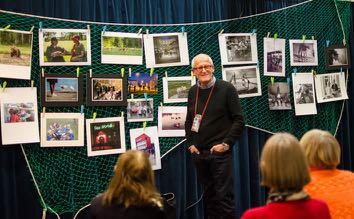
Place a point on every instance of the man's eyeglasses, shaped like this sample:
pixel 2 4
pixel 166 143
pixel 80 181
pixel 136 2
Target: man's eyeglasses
pixel 201 68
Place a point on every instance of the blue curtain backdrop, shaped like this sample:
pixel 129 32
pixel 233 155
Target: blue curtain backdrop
pixel 19 199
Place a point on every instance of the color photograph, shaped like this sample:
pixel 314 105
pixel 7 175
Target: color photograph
pixel 19 112
pixel 58 47
pixel 107 89
pixel 140 110
pixel 122 48
pixel 175 89
pixel 171 121
pixel 105 136
pixel 303 52
pixel 140 83
pixel 62 129
pixel 15 54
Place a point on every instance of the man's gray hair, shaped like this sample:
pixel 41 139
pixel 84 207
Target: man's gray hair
pixel 202 56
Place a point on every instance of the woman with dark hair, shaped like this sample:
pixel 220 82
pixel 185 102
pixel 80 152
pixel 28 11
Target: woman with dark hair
pixel 78 53
pixel 131 193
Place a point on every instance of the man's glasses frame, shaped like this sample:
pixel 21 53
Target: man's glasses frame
pixel 204 67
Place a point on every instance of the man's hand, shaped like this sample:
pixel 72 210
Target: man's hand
pixel 193 149
pixel 219 148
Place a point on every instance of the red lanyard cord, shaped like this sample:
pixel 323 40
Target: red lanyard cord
pixel 206 104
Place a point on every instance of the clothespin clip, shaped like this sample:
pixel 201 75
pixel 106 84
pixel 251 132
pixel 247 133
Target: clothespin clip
pixel 313 73
pixel 7 27
pixel 272 81
pixel 295 70
pixel 147 32
pixel 344 43
pixel 88 28
pixel 145 96
pixel 40 26
pixel 254 31
pixel 77 71
pixel 341 70
pixel 288 80
pixel 166 74
pixel 4 86
pixel 221 31
pixel 139 32
pixel 275 36
pixel 182 29
pixel 43 111
pixel 303 38
pixel 257 64
pixel 32 83
pixel 43 72
pixel 122 71
pixel 122 114
pixel 144 126
pixel 327 43
pixel 31 30
pixel 94 116
pixel 131 96
pixel 104 30
pixel 82 109
pixel 268 34
pixel 90 73
pixel 151 71
pixel 313 37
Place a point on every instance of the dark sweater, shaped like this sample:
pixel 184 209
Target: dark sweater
pixel 98 211
pixel 222 121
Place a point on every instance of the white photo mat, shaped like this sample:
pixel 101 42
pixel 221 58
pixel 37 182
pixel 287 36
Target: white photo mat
pixel 147 140
pixel 13 70
pixel 330 87
pixel 24 131
pixel 181 51
pixel 62 116
pixel 246 80
pixel 132 109
pixel 171 120
pixel 304 94
pixel 274 57
pixel 182 90
pixel 92 122
pixel 303 52
pixel 122 59
pixel 59 32
pixel 236 53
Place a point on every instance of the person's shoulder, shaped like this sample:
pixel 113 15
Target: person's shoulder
pixel 97 201
pixel 254 213
pixel 317 203
pixel 224 84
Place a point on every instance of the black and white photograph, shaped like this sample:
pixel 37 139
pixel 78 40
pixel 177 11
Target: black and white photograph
pixel 166 49
pixel 140 110
pixel 15 54
pixel 121 48
pixel 175 89
pixel 238 48
pixel 171 121
pixel 337 56
pixel 62 47
pixel 303 52
pixel 304 94
pixel 279 96
pixel 274 57
pixel 246 80
pixel 330 87
pixel 61 90
pixel 106 90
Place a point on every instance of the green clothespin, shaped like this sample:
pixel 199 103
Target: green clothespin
pixel 7 27
pixel 151 72
pixel 272 80
pixel 77 71
pixel 94 116
pixel 4 86
pixel 144 126
pixel 122 71
pixel 275 36
pixel 303 38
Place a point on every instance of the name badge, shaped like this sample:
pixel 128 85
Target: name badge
pixel 196 123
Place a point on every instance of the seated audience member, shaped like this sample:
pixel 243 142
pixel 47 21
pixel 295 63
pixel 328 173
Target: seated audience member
pixel 131 193
pixel 285 171
pixel 336 187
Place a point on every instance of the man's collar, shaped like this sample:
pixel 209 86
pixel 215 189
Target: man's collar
pixel 209 85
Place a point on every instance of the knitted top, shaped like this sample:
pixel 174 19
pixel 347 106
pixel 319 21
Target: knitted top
pixel 336 188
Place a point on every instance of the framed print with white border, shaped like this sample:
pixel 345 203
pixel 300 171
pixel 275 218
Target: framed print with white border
pixel 330 87
pixel 106 90
pixel 121 48
pixel 171 121
pixel 175 89
pixel 147 140
pixel 238 48
pixel 303 52
pixel 166 49
pixel 61 90
pixel 246 80
pixel 16 54
pixel 62 129
pixel 61 47
pixel 140 110
pixel 19 115
pixel 304 94
pixel 105 136
pixel 274 57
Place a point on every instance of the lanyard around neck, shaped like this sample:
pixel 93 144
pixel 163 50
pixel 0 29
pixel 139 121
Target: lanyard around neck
pixel 206 104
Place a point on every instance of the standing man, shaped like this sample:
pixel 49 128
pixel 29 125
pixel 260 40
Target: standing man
pixel 214 122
